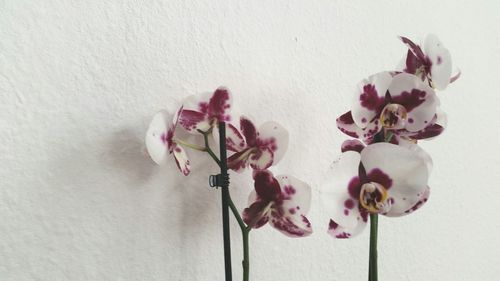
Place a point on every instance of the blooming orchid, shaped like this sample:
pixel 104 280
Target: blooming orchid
pixel 259 148
pixel 160 140
pixel 432 64
pixel 381 178
pixel 205 113
pixel 283 201
pixel 397 102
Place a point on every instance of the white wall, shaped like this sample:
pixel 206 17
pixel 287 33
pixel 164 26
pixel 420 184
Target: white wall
pixel 79 81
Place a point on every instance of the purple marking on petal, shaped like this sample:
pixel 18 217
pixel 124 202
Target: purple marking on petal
pixel 249 131
pixel 266 186
pixel 378 176
pixel 428 132
pixel 369 98
pixel 346 212
pixel 354 187
pixel 332 225
pixel 410 120
pixel 189 119
pixel 219 104
pixel 410 100
pixel 439 60
pixel 292 211
pixel 352 145
pixel 349 204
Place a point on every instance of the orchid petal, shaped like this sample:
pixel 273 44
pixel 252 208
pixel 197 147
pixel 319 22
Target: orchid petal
pixel 234 139
pixel 346 124
pixel 220 104
pixel 193 121
pixel 414 48
pixel 370 98
pixel 248 130
pixel 266 185
pixel 296 194
pixel 256 215
pixel 275 137
pixel 181 159
pixel 418 99
pixel 238 161
pixel 405 173
pixel 156 141
pixel 440 59
pixel 341 232
pixel 261 159
pixel 352 145
pixel 294 226
pixel 341 190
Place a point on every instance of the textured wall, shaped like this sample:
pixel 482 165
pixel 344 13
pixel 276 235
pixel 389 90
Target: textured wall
pixel 79 81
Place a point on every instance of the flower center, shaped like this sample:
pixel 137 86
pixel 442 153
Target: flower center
pixel 393 116
pixel 373 197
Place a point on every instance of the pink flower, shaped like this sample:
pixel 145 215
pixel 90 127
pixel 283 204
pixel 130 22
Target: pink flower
pixel 380 178
pixel 402 104
pixel 160 141
pixel 204 113
pixel 258 148
pixel 283 201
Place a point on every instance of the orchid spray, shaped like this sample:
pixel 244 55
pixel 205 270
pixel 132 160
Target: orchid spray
pixel 383 171
pixel 282 201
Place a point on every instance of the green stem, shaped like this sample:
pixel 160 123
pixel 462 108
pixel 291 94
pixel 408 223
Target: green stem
pixel 245 231
pixel 372 269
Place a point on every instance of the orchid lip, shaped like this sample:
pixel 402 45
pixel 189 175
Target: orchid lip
pixel 373 197
pixel 393 116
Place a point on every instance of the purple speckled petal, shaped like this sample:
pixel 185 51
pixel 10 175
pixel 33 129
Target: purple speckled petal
pixel 256 214
pixel 340 190
pixel 414 48
pixel 266 186
pixel 249 131
pixel 275 137
pixel 346 124
pixel 239 160
pixel 417 97
pixel 352 145
pixel 193 121
pixel 342 232
pixel 219 105
pixel 261 158
pixel 295 195
pixel 440 59
pixel 181 159
pixel 292 226
pixel 234 139
pixel 370 98
pixel 407 169
pixel 156 137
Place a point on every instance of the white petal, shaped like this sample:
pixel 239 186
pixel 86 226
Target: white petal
pixel 441 61
pixel 369 97
pixel 275 137
pixel 407 169
pixel 422 200
pixel 417 97
pixel 296 194
pixel 335 190
pixel 181 159
pixel 155 136
pixel 338 231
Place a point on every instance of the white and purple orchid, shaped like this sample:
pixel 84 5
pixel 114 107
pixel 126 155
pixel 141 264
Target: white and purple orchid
pixel 202 113
pixel 258 148
pixel 283 201
pixel 160 140
pixel 396 102
pixel 381 178
pixel 432 64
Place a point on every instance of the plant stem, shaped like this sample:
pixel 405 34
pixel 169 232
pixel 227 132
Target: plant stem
pixel 245 231
pixel 372 269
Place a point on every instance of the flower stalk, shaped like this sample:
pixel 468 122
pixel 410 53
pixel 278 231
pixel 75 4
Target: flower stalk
pixel 373 269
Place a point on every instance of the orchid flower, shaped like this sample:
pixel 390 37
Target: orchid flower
pixel 283 201
pixel 258 148
pixel 160 140
pixel 205 113
pixel 381 178
pixel 402 104
pixel 433 63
